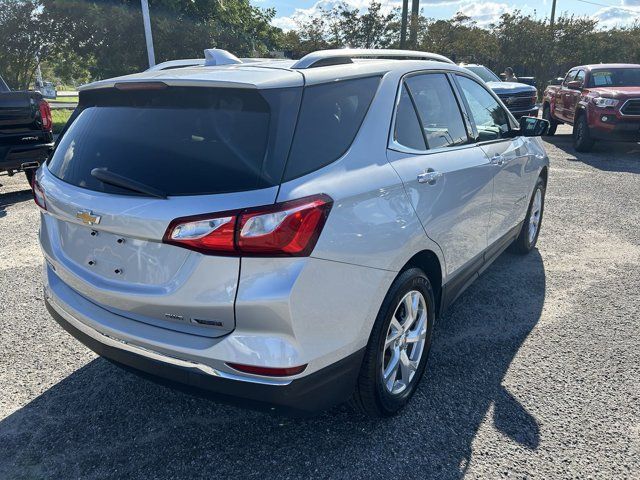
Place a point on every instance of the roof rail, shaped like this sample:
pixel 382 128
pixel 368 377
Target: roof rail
pixel 171 64
pixel 340 56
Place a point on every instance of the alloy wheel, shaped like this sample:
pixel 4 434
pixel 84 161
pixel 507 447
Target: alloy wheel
pixel 534 216
pixel 404 343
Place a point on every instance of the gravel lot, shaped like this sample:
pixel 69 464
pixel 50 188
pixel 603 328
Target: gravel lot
pixel 534 373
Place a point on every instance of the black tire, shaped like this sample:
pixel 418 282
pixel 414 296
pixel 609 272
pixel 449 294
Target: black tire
pixel 30 173
pixel 525 242
pixel 582 140
pixel 553 125
pixel 371 396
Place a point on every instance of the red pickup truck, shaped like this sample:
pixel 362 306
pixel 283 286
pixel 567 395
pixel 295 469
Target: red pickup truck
pixel 602 102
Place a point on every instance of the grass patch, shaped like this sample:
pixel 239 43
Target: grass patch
pixel 60 116
pixel 63 100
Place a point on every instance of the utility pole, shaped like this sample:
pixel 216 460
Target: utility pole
pixel 147 32
pixel 403 24
pixel 553 16
pixel 413 33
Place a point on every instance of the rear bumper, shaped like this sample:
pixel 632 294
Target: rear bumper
pixel 315 392
pixel 13 157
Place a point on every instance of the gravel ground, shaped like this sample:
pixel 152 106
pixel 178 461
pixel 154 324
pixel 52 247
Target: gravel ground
pixel 534 372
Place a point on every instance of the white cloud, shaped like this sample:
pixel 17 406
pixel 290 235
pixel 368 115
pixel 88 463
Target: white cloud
pixel 303 14
pixel 484 13
pixel 625 15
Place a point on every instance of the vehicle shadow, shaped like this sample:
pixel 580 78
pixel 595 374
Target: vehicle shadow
pixel 102 422
pixel 11 198
pixel 606 156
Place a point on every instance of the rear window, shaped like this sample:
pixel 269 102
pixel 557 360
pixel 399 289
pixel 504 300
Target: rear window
pixel 330 117
pixel 179 140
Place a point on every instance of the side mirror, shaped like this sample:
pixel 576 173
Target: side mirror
pixel 533 127
pixel 574 85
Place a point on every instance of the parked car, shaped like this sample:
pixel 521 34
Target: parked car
pixel 284 231
pixel 601 101
pixel 25 131
pixel 521 99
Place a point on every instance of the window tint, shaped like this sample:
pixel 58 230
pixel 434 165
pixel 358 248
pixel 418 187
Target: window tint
pixel 407 130
pixel 620 77
pixel 330 117
pixel 180 140
pixel 580 76
pixel 491 120
pixel 438 110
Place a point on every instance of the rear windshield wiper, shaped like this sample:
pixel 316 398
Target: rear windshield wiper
pixel 105 176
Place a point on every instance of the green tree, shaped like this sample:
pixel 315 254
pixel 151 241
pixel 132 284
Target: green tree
pixel 22 38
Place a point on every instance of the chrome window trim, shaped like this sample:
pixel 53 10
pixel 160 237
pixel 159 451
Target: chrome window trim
pixel 392 144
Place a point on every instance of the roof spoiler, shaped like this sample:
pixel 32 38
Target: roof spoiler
pixel 340 56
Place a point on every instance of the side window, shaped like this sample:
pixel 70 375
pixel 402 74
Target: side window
pixel 570 76
pixel 492 122
pixel 407 130
pixel 580 76
pixel 438 110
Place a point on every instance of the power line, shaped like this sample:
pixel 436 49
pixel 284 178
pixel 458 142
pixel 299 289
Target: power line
pixel 609 5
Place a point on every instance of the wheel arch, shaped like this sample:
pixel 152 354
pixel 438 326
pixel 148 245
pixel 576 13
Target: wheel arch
pixel 544 174
pixel 429 263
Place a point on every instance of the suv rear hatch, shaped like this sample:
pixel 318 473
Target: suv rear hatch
pixel 197 150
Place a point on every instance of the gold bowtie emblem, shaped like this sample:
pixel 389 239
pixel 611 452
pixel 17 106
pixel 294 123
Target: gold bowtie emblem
pixel 87 217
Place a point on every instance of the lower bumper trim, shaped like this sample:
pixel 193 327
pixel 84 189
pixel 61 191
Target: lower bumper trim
pixel 315 392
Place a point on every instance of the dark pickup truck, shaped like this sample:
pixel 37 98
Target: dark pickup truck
pixel 601 101
pixel 26 138
pixel 519 98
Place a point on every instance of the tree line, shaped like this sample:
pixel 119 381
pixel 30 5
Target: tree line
pixel 78 41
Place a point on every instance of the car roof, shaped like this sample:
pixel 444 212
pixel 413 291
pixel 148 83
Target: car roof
pixel 269 73
pixel 596 66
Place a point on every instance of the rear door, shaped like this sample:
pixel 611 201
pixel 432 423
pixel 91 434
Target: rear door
pixel 563 96
pixel 508 156
pixel 206 150
pixel 573 97
pixel 448 179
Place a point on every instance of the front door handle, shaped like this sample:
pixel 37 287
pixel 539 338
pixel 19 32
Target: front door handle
pixel 429 176
pixel 497 159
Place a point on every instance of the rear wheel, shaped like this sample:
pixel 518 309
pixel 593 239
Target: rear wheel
pixel 582 140
pixel 553 125
pixel 398 348
pixel 530 230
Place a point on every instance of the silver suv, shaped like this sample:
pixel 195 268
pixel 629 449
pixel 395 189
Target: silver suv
pixel 283 232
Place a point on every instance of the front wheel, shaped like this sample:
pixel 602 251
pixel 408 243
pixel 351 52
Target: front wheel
pixel 396 356
pixel 553 125
pixel 530 230
pixel 582 140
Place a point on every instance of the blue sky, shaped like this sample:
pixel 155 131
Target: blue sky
pixel 609 12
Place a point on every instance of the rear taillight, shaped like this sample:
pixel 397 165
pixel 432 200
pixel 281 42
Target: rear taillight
pixel 284 229
pixel 45 116
pixel 38 195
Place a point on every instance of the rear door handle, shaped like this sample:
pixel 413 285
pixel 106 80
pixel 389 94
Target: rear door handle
pixel 497 159
pixel 430 176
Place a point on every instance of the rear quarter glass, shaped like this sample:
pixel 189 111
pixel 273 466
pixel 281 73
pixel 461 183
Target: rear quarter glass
pixel 330 116
pixel 179 140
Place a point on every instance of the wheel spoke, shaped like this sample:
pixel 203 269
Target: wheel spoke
pixel 391 372
pixel 392 338
pixel 411 304
pixel 407 367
